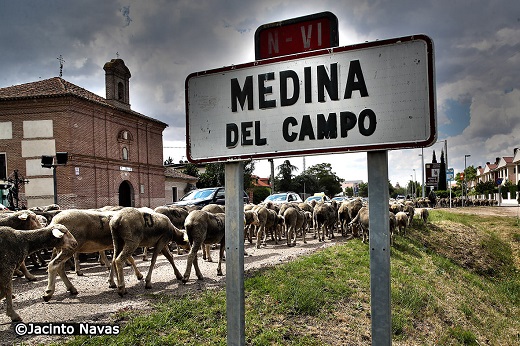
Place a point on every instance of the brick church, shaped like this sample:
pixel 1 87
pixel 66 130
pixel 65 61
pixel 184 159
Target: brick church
pixel 114 154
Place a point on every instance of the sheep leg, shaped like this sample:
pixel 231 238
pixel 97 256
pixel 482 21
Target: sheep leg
pixel 119 261
pixel 260 239
pixel 137 273
pixel 103 260
pixel 70 287
pixel 220 257
pixel 206 252
pixel 77 266
pixel 26 273
pixel 156 250
pixel 57 266
pixel 7 291
pixel 169 257
pixel 192 261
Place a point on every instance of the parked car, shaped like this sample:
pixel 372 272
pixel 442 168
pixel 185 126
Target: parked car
pixel 283 197
pixel 202 197
pixel 340 199
pixel 318 198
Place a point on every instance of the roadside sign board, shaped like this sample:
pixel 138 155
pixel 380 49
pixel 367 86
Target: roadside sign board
pixel 316 31
pixel 450 174
pixel 432 171
pixel 371 96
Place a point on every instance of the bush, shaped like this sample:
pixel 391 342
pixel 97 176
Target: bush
pixel 260 193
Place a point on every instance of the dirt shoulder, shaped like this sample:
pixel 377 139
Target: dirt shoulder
pixel 496 211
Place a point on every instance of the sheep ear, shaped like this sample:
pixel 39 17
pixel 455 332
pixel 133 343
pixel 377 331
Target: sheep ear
pixel 57 233
pixel 23 216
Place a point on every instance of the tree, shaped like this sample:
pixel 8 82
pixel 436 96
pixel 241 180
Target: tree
pixel 518 191
pixel 363 190
pixel 485 188
pixel 283 180
pixel 215 175
pixel 442 174
pixel 328 182
pixel 434 158
pixel 191 169
pixel 305 183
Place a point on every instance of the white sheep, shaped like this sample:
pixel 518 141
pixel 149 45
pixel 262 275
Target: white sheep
pixel 401 222
pixel 92 232
pixel 16 245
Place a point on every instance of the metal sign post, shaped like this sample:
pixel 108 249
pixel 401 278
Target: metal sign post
pixel 235 299
pixel 379 244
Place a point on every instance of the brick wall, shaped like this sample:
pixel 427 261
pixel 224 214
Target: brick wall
pixel 89 131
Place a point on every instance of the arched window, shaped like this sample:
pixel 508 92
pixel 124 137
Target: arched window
pixel 120 91
pixel 124 136
pixel 124 153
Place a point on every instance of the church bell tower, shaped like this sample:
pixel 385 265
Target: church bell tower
pixel 117 77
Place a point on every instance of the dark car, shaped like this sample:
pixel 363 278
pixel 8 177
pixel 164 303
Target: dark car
pixel 202 197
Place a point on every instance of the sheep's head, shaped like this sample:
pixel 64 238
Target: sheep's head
pixel 67 240
pixel 185 243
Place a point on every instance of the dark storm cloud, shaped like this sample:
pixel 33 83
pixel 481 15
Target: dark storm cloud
pixel 476 53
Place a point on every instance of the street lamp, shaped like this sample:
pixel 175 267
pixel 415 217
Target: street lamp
pixel 411 189
pixel 414 180
pixel 465 187
pixel 49 161
pixel 422 167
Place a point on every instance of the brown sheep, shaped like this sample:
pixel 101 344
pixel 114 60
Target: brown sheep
pixel 21 220
pixel 362 221
pixel 177 215
pixel 392 225
pixel 16 245
pixel 202 228
pixel 325 217
pixel 294 219
pixel 424 215
pixel 344 218
pixel 214 208
pixel 131 228
pixel 410 212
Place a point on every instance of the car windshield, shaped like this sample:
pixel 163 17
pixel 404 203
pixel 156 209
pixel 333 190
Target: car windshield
pixel 315 198
pixel 278 197
pixel 197 194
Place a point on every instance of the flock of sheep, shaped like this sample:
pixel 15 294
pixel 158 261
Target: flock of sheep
pixel 24 234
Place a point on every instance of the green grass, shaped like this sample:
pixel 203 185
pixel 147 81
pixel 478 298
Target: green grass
pixel 324 298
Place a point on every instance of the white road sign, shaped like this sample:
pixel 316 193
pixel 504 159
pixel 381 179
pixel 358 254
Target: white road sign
pixel 371 96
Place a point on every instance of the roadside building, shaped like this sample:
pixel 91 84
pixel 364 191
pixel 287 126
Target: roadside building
pixel 115 154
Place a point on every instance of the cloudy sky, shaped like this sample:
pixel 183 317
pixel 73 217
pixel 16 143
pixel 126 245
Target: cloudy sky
pixel 477 61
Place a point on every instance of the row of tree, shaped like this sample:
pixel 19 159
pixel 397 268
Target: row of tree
pixel 321 178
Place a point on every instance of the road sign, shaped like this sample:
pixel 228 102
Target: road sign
pixel 499 181
pixel 316 31
pixel 432 171
pixel 450 174
pixel 371 96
